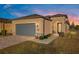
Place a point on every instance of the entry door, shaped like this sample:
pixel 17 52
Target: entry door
pixel 59 27
pixel 25 29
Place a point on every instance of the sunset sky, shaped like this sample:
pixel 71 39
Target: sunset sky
pixel 11 11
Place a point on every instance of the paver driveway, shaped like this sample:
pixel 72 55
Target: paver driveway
pixel 13 40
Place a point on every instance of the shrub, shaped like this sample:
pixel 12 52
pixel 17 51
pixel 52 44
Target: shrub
pixel 61 34
pixel 0 33
pixel 41 37
pixel 44 36
pixel 49 35
pixel 4 32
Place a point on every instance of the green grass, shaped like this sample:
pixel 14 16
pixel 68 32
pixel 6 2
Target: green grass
pixel 67 44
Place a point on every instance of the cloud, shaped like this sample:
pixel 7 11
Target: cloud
pixel 53 13
pixel 17 14
pixel 40 11
pixel 7 6
pixel 74 19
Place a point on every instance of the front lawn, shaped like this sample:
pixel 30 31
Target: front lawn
pixel 28 47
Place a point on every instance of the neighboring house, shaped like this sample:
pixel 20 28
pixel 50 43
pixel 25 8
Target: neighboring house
pixel 5 25
pixel 39 25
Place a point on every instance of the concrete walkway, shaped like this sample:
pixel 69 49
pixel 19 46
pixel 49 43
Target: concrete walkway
pixel 13 40
pixel 46 41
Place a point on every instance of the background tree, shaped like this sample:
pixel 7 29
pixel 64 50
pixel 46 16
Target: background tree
pixel 72 26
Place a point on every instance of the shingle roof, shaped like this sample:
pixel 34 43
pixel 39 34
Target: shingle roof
pixel 30 17
pixel 59 15
pixel 33 17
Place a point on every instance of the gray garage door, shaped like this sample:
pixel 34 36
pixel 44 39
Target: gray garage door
pixel 25 29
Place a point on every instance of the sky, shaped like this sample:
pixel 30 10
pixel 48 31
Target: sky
pixel 11 11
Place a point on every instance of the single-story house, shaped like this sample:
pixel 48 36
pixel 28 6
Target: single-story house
pixel 39 25
pixel 35 25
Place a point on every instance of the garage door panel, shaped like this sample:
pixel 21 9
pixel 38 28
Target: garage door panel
pixel 25 29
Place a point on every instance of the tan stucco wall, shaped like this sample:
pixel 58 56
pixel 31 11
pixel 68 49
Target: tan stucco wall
pixel 48 27
pixel 38 23
pixel 58 20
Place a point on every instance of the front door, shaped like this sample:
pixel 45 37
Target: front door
pixel 59 27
